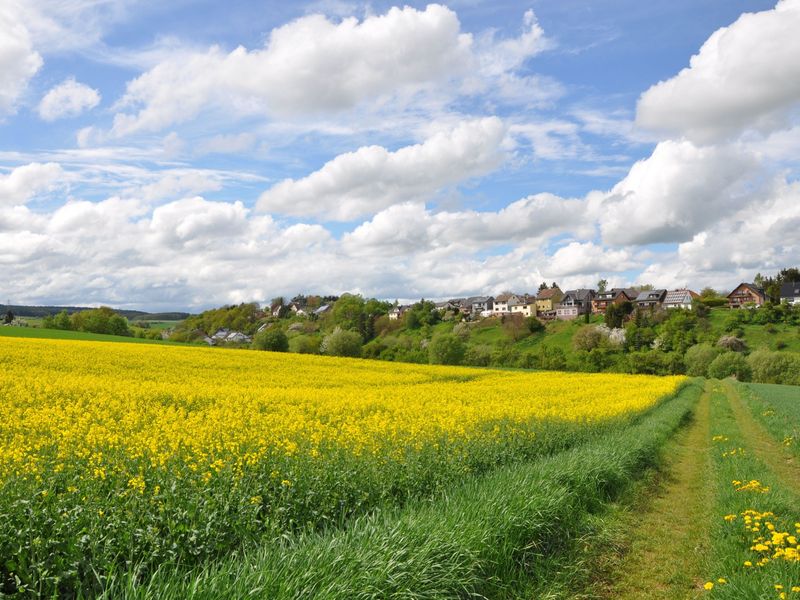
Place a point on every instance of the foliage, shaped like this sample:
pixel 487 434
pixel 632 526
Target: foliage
pixel 9 317
pixel 272 339
pixel 732 343
pixel 699 357
pixel 341 343
pixel 422 313
pixel 775 367
pixel 588 338
pixel 97 320
pixel 446 349
pixel 615 313
pixel 241 317
pixel 730 364
pixel 305 344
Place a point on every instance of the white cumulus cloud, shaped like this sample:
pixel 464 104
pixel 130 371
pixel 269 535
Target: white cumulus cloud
pixel 745 76
pixel 309 65
pixel 24 182
pixel 67 99
pixel 372 178
pixel 675 193
pixel 19 62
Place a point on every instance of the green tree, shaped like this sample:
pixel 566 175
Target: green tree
pixel 602 285
pixel 699 357
pixel 272 339
pixel 342 342
pixel 446 349
pixel 730 364
pixel 348 313
pixel 9 318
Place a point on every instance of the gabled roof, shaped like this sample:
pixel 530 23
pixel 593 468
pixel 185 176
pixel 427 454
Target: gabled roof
pixel 790 290
pixel 651 295
pixel 613 293
pixel 548 293
pixel 679 296
pixel 504 297
pixel 750 286
pixel 581 295
pixel 478 300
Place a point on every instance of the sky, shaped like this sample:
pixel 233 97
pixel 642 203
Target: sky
pixel 187 154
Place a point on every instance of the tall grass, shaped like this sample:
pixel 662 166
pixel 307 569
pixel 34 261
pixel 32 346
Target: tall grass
pixel 491 536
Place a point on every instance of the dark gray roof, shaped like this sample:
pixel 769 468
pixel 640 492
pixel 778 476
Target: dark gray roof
pixel 651 295
pixel 790 290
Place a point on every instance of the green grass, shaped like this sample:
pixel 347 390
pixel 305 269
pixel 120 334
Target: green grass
pixel 735 459
pixel 777 408
pixel 514 532
pixel 59 334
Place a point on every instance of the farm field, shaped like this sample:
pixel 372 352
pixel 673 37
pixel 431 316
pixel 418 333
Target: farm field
pixel 59 334
pixel 118 458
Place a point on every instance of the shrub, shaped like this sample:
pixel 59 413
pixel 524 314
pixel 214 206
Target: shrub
pixel 534 325
pixel 732 342
pixel 775 367
pixel 478 356
pixel 462 331
pixel 446 349
pixel 588 338
pixel 305 344
pixel 272 339
pixel 341 342
pixel 730 364
pixel 699 357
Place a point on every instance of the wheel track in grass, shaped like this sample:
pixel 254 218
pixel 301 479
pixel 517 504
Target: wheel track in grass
pixel 765 447
pixel 668 531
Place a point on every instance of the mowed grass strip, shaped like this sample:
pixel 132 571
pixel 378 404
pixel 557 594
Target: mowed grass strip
pixel 666 537
pixel 503 535
pixel 777 408
pixel 753 501
pixel 774 454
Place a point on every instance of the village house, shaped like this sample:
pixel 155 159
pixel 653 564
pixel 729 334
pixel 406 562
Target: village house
pixel 322 310
pixel 746 294
pixel 476 305
pixel 612 296
pixel 523 305
pixel 503 302
pixel 790 293
pixel 397 312
pixel 574 303
pixel 650 299
pixel 680 299
pixel 546 301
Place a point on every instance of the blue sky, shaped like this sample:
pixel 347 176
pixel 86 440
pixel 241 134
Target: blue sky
pixel 174 155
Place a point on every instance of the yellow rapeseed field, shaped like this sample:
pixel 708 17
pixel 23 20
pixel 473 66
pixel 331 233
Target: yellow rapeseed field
pixel 140 455
pixel 112 405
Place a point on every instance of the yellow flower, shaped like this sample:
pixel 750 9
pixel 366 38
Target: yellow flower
pixel 709 585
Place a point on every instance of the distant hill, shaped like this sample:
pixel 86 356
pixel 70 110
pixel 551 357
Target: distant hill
pixel 43 311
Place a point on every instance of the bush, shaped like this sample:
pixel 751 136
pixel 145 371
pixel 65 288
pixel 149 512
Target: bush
pixel 730 364
pixel 654 362
pixel 478 356
pixel 272 339
pixel 341 342
pixel 699 357
pixel 588 338
pixel 732 343
pixel 446 349
pixel 534 325
pixel 775 367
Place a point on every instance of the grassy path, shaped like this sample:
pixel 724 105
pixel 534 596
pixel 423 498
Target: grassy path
pixel 763 444
pixel 663 557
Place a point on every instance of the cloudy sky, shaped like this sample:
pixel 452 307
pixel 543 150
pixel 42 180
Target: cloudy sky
pixel 186 154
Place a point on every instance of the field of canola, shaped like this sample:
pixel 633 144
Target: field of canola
pixel 123 457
